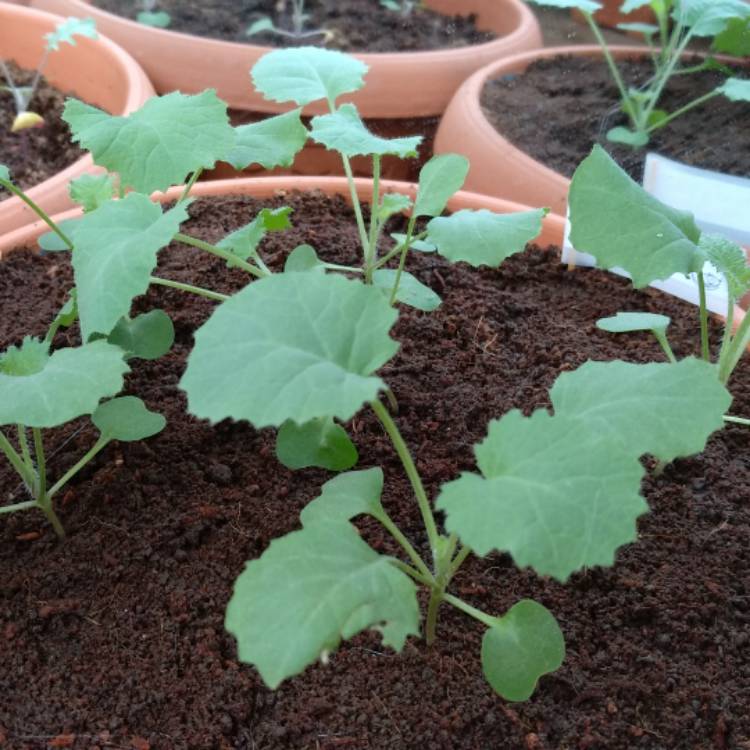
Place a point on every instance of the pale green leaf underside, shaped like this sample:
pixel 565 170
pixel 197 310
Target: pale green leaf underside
pixel 305 74
pixel 627 322
pixel 159 145
pixel 311 589
pixel 71 384
pixel 667 410
pixel 736 89
pixel 526 644
pixel 320 442
pixel 347 496
pixel 68 30
pixel 730 259
pixel 439 179
pixel 555 494
pixel 127 419
pixel 110 274
pixel 4 173
pixel 411 291
pixel 273 142
pixel 484 238
pixel 620 224
pixel 293 346
pixel 345 132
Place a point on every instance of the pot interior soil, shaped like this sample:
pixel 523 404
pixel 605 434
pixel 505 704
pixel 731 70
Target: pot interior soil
pixel 354 25
pixel 38 153
pixel 557 109
pixel 115 638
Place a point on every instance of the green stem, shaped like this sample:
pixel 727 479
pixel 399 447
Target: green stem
pixel 661 337
pixel 357 206
pixel 458 561
pixel 345 269
pixel 737 420
pixel 402 259
pixel 726 339
pixel 673 56
pixel 100 444
pixel 404 567
pixel 477 614
pixel 200 291
pixel 16 461
pixel 193 179
pixel 737 348
pixel 219 253
pixel 38 211
pixel 372 253
pixel 41 465
pixel 27 505
pixel 682 110
pixel 397 251
pixel 705 353
pixel 24 443
pixel 436 599
pixel 406 545
pixel 411 471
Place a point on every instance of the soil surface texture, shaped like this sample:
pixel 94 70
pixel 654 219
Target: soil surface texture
pixel 352 25
pixel 35 154
pixel 559 108
pixel 115 638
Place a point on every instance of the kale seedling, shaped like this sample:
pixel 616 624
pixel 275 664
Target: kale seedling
pixel 149 15
pixel 65 32
pixel 299 19
pixel 689 19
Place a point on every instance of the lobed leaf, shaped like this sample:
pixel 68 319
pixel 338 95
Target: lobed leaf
pixel 709 17
pixel 244 242
pixel 127 419
pixel 273 142
pixel 347 496
pixel 70 28
pixel 311 589
pixel 393 203
pixel 90 191
pixel 730 259
pixel 320 442
pixel 148 336
pixel 439 180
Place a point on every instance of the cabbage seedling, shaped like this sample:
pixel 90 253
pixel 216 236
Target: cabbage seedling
pixel 65 33
pixel 297 32
pixel 690 19
pixel 151 16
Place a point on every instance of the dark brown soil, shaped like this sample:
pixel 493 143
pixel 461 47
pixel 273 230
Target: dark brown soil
pixel 559 108
pixel 115 638
pixel 38 153
pixel 354 25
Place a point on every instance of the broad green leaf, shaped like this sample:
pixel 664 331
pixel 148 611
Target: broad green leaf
pixel 439 180
pixel 127 419
pixel 627 136
pixel 419 245
pixel 303 258
pixel 64 385
pixel 346 496
pixel 411 291
pixel 70 28
pixel 311 589
pixel 110 274
pixel 667 410
pixel 273 142
pixel 148 336
pixel 27 359
pixel 587 6
pixel 51 242
pixel 730 259
pixel 344 131
pixel 554 493
pixel 393 203
pixel 484 238
pixel 620 224
pixel 159 145
pixel 736 89
pixel 320 442
pixel 89 191
pixel 244 241
pixel 159 20
pixel 292 346
pixel 735 39
pixel 305 74
pixel 627 322
pixel 4 173
pixel 526 644
pixel 709 17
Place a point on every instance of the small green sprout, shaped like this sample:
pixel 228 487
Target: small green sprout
pixel 299 19
pixel 149 15
pixel 404 7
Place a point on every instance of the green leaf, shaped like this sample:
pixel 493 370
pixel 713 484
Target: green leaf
pixel 736 89
pixel 554 493
pixel 311 589
pixel 27 359
pixel 303 258
pixel 587 6
pixel 439 180
pixel 66 32
pixel 419 245
pixel 158 20
pixel 110 274
pixel 526 644
pixel 320 442
pixel 344 131
pixel 159 145
pixel 626 322
pixel 262 24
pixel 346 496
pixel 730 259
pixel 393 203
pixel 273 142
pixel 4 173
pixel 621 225
pixel 484 238
pixel 667 410
pixel 51 242
pixel 647 29
pixel 244 242
pixel 627 137
pixel 65 385
pixel 735 39
pixel 305 74
pixel 411 291
pixel 127 419
pixel 89 191
pixel 68 313
pixel 709 17
pixel 292 346
pixel 148 336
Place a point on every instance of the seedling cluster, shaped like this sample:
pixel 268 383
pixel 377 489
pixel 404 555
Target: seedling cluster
pixel 299 350
pixel 299 19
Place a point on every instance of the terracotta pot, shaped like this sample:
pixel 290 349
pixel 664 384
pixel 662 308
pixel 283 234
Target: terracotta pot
pixel 610 14
pixel 416 84
pixel 97 71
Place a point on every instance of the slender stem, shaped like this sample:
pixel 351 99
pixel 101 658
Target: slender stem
pixel 402 259
pixel 357 206
pixel 411 472
pixel 27 505
pixel 42 65
pixel 726 339
pixel 345 269
pixel 53 518
pixel 219 253
pixel 100 444
pixel 38 211
pixel 24 443
pixel 661 337
pixel 458 561
pixel 673 56
pixel 436 599
pixel 397 251
pixel 401 565
pixel 372 250
pixel 477 614
pixel 16 461
pixel 200 291
pixel 682 110
pixel 737 348
pixel 41 466
pixel 705 353
pixel 406 545
pixel 736 420
pixel 193 179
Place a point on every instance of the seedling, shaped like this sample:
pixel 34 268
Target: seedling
pixel 297 32
pixel 65 33
pixel 404 7
pixel 690 19
pixel 151 16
